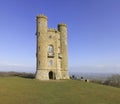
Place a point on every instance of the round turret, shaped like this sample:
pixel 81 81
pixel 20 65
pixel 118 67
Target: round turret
pixel 62 27
pixel 41 23
pixel 41 32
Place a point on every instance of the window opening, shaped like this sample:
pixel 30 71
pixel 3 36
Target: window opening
pixel 50 48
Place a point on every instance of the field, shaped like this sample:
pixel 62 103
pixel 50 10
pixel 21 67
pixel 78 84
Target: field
pixel 16 90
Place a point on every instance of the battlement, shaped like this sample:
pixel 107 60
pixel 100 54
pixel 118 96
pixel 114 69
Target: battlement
pixel 41 16
pixel 52 29
pixel 62 24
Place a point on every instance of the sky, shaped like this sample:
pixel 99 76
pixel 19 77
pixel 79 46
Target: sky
pixel 93 33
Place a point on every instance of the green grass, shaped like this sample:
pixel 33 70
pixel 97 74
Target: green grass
pixel 15 90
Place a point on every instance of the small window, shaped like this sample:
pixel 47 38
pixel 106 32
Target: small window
pixel 39 48
pixel 50 48
pixel 50 63
pixel 50 37
pixel 39 62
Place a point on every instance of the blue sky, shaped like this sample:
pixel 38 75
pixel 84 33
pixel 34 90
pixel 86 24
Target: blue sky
pixel 93 33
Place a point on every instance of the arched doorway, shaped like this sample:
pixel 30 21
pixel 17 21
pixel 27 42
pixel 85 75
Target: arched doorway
pixel 51 75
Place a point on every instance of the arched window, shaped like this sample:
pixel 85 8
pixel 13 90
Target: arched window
pixel 50 48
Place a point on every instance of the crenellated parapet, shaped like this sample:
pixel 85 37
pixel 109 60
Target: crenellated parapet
pixel 41 16
pixel 62 24
pixel 52 30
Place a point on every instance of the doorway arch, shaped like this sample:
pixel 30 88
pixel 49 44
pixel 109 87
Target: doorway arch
pixel 51 75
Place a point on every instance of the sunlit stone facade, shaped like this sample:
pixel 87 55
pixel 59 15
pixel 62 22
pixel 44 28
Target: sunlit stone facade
pixel 51 51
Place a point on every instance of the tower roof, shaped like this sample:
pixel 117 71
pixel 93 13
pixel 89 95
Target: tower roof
pixel 41 16
pixel 62 24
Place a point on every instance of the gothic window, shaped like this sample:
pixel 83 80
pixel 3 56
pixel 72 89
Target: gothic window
pixel 50 63
pixel 50 48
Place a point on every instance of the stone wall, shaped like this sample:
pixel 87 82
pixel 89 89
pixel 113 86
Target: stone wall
pixel 52 54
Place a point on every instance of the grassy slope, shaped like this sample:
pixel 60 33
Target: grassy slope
pixel 14 90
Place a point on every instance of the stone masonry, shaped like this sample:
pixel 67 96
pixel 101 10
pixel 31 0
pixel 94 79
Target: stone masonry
pixel 52 53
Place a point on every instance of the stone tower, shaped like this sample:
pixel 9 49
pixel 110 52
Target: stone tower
pixel 52 54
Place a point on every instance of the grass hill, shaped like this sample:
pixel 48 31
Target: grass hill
pixel 16 90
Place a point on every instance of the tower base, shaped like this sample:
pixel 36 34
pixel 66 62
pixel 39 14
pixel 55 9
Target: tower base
pixel 42 75
pixel 51 75
pixel 65 74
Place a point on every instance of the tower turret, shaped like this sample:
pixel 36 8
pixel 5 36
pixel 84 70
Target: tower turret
pixel 62 28
pixel 41 32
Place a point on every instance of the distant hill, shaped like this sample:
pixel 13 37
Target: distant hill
pixel 19 74
pixel 17 90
